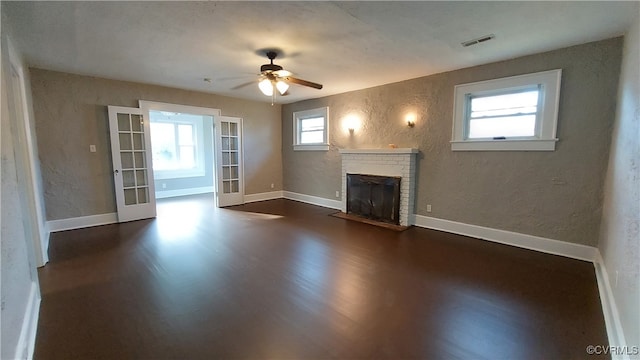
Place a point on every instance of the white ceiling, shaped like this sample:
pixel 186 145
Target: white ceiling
pixel 344 45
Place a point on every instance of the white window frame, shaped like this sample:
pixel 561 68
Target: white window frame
pixel 199 169
pixel 546 119
pixel 298 116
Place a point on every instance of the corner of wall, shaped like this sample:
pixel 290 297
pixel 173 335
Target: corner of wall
pixel 615 332
pixel 20 293
pixel 27 341
pixel 618 264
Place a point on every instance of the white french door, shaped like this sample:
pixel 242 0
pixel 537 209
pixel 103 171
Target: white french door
pixel 132 170
pixel 229 161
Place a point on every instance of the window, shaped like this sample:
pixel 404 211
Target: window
pixel 177 143
pixel 311 129
pixel 514 113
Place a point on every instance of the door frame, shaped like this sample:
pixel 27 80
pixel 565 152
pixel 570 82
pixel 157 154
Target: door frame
pixel 34 189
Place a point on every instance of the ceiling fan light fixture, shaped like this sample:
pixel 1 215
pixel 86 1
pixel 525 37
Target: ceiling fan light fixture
pixel 266 87
pixel 282 87
pixel 274 80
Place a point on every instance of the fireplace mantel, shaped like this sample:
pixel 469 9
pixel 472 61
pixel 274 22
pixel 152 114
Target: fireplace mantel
pixel 392 151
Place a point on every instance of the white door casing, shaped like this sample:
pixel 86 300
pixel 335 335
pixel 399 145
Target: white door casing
pixel 27 159
pixel 132 166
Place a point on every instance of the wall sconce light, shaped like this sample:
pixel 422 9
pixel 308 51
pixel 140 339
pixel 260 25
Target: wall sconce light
pixel 411 120
pixel 351 122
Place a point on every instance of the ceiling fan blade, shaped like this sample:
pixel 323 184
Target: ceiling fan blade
pixel 302 82
pixel 237 87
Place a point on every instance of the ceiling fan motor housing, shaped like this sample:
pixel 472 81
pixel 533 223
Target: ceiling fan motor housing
pixel 270 68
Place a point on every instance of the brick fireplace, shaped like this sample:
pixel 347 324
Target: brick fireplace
pixel 384 162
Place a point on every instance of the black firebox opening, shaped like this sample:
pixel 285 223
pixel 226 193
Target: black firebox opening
pixel 374 197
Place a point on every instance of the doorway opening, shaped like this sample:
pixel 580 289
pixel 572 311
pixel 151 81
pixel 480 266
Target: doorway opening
pixel 195 150
pixel 182 141
pixel 182 153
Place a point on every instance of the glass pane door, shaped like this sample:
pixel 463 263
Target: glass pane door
pixel 229 159
pixel 134 169
pixel 230 163
pixel 131 160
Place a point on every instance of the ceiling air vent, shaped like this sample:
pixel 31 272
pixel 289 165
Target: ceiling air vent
pixel 478 40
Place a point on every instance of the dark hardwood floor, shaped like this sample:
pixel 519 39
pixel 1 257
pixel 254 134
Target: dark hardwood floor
pixel 283 280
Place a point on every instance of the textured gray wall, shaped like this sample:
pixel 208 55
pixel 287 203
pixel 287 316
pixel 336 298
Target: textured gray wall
pixel 556 195
pixel 70 113
pixel 620 232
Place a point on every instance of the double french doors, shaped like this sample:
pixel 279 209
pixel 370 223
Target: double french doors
pixel 133 169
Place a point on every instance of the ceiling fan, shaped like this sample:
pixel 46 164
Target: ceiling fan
pixel 274 77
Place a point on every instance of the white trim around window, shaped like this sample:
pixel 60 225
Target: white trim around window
pixel 542 138
pixel 148 106
pixel 196 143
pixel 311 138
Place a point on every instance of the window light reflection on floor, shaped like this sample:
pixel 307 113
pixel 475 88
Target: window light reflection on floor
pixel 261 216
pixel 178 221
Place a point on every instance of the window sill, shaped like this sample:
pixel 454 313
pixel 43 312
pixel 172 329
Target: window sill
pixel 318 147
pixel 177 174
pixel 504 145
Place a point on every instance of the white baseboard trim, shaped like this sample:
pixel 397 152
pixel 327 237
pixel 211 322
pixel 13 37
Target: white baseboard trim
pixel 47 236
pixel 313 200
pixel 41 254
pixel 184 192
pixel 27 341
pixel 263 196
pixel 82 222
pixel 575 251
pixel 615 333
